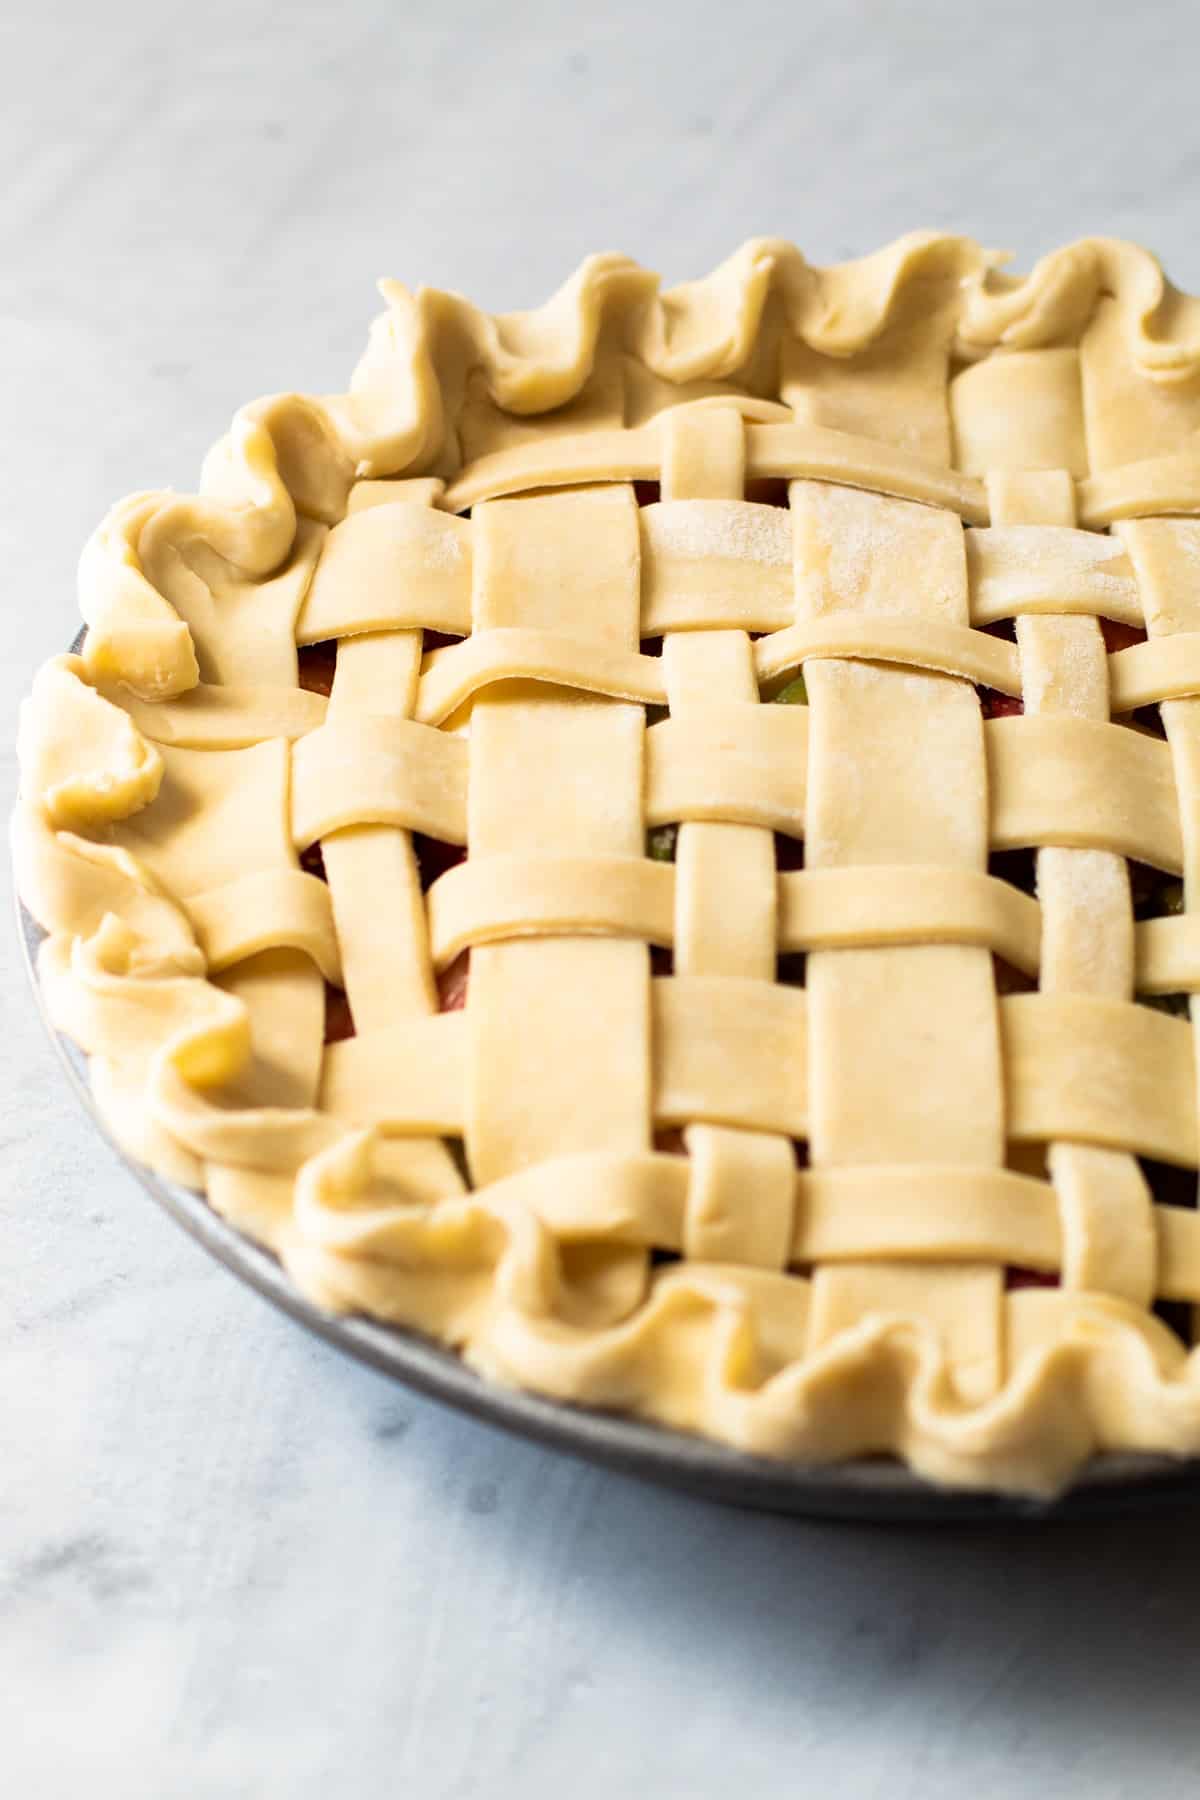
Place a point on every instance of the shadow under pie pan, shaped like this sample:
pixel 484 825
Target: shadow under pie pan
pixel 877 1488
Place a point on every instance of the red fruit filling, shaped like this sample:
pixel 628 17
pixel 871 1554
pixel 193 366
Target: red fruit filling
pixel 339 1021
pixel 313 862
pixel 1000 706
pixel 434 857
pixel 1121 637
pixel 452 983
pixel 317 664
pixel 1016 1277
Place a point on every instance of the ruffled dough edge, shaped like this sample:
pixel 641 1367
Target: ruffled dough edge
pixel 687 1352
pixel 293 453
pixel 704 1347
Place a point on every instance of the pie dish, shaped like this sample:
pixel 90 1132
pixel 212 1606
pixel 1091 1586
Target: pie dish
pixel 651 842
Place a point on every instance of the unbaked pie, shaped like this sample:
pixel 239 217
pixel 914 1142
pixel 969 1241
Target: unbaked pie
pixel 657 840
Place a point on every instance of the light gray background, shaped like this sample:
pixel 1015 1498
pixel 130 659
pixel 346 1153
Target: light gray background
pixel 231 1563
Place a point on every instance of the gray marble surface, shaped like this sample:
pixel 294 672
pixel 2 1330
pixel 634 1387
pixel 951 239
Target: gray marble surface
pixel 231 1563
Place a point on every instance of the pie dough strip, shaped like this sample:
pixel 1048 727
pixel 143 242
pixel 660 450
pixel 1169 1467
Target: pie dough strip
pixel 1166 556
pixel 212 717
pixel 371 769
pixel 373 890
pixel 723 563
pixel 872 1012
pixel 559 1056
pixel 903 903
pixel 1023 568
pixel 810 453
pixel 372 870
pixel 394 564
pixel 273 909
pixel 728 1051
pixel 1163 668
pixel 408 1076
pixel 786 451
pixel 914 1211
pixel 1122 1076
pixel 1161 484
pixel 1103 1071
pixel 1106 1211
pixel 1167 955
pixel 715 564
pixel 742 1183
pixel 480 902
pixel 1084 784
pixel 457 674
pixel 1026 431
pixel 741 764
pixel 911 642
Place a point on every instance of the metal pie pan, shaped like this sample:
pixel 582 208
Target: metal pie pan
pixel 876 1488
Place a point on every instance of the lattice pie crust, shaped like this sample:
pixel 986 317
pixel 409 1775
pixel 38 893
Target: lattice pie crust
pixel 819 1151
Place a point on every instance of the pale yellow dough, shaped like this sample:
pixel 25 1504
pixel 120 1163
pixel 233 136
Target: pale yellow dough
pixel 956 448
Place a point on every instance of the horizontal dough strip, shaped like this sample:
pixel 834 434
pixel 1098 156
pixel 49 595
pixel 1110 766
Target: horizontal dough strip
pixel 1105 1072
pixel 918 1212
pixel 828 909
pixel 486 900
pixel 274 909
pixel 915 642
pixel 1163 668
pixel 228 717
pixel 705 564
pixel 1054 780
pixel 1168 955
pixel 1082 784
pixel 455 675
pixel 377 770
pixel 1137 490
pixel 400 566
pixel 612 455
pixel 780 451
pixel 704 1027
pixel 712 564
pixel 410 1076
pixel 1078 1069
pixel 1029 569
pixel 211 717
pixel 1094 1071
pixel 1011 575
pixel 517 653
pixel 740 764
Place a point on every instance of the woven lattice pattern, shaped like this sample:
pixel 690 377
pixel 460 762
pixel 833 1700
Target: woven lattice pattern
pixel 681 888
